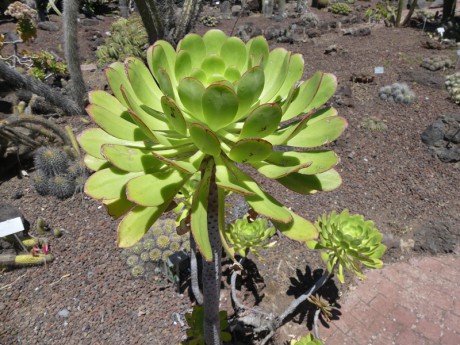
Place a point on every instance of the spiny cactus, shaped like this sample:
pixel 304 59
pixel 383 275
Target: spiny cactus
pixel 51 160
pixel 158 244
pixel 24 260
pixel 437 62
pixel 57 174
pixel 340 8
pixel 398 93
pixel 453 86
pixel 209 21
pixel 128 38
pixel 373 124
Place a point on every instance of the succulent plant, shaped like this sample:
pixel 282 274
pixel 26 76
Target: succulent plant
pixel 340 8
pixel 167 126
pixel 437 62
pixel 138 271
pixel 323 305
pixel 349 241
pixel 51 160
pixel 453 86
pixel 40 182
pixel 397 93
pixel 209 21
pixel 245 234
pixel 44 62
pixel 128 37
pixel 372 123
pixel 307 340
pixel 195 321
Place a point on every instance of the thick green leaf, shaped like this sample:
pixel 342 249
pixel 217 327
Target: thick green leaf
pixel 232 74
pixel 92 139
pixel 118 207
pixel 161 56
pixel 309 184
pixel 262 121
pixel 156 188
pixel 295 71
pixel 233 51
pixel 174 115
pixel 227 180
pixel 109 183
pixel 115 123
pixel 116 77
pixel 250 150
pixel 131 159
pixel 193 44
pixel 95 164
pixel 319 133
pixel 280 164
pixel 258 51
pixel 187 165
pixel 165 82
pixel 322 114
pixel 213 40
pixel 312 94
pixel 183 66
pixel 143 84
pixel 249 89
pixel 199 74
pixel 205 139
pixel 275 70
pixel 191 91
pixel 220 105
pixel 136 223
pixel 260 201
pixel 199 214
pixel 213 65
pixel 106 100
pixel 299 229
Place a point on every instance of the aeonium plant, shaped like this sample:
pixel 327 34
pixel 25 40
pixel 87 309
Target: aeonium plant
pixel 204 109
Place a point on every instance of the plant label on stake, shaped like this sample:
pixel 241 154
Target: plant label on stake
pixel 441 31
pixel 12 227
pixel 379 70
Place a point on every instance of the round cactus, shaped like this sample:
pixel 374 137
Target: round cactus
pixel 163 241
pixel 397 93
pixel 166 254
pixel 138 271
pixel 144 257
pixel 437 62
pixel 149 244
pixel 61 186
pixel 132 260
pixel 453 86
pixel 41 182
pixel 155 254
pixel 137 249
pixel 340 8
pixel 51 160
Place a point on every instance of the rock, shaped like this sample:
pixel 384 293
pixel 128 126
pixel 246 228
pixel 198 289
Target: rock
pixel 88 22
pixel 99 17
pixel 65 313
pixel 436 237
pixel 236 10
pixel 343 97
pixel 423 77
pixel 357 32
pixel 273 32
pixel 247 31
pixel 48 26
pixel 254 5
pixel 443 138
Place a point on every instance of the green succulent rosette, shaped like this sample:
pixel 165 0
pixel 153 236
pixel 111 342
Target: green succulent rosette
pixel 249 235
pixel 349 241
pixel 207 106
pixel 307 340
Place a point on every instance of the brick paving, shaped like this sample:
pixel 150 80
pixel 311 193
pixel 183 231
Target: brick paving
pixel 407 303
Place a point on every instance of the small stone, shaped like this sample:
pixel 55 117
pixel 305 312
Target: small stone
pixel 88 67
pixel 48 26
pixel 64 313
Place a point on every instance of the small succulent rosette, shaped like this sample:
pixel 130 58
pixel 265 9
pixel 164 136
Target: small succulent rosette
pixel 307 340
pixel 349 241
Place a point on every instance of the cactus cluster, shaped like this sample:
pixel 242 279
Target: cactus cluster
pixel 209 21
pixel 437 62
pixel 398 93
pixel 127 38
pixel 340 8
pixel 372 123
pixel 57 174
pixel 158 244
pixel 453 86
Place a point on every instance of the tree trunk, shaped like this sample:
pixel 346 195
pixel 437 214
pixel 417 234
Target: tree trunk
pixel 190 12
pixel 448 10
pixel 212 270
pixel 72 52
pixel 410 13
pixel 143 6
pixel 123 7
pixel 26 82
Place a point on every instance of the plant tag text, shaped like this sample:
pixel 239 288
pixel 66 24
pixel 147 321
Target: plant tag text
pixel 379 70
pixel 11 226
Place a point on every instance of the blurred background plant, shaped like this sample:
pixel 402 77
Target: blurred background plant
pixel 397 93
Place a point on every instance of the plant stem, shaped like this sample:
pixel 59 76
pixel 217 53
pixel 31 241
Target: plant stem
pixel 212 270
pixel 302 298
pixel 194 272
pixel 235 299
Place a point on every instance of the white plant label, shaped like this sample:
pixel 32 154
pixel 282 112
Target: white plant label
pixel 379 70
pixel 440 31
pixel 11 226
